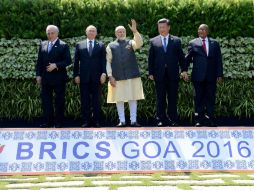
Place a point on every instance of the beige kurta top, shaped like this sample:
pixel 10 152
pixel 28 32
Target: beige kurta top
pixel 125 90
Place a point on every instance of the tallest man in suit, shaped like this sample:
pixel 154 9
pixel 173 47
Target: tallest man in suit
pixel 53 58
pixel 205 54
pixel 165 57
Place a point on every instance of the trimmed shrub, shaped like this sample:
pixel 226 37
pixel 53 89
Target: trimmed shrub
pixel 18 56
pixel 29 18
pixel 21 99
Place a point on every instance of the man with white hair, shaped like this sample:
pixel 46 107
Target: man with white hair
pixel 125 83
pixel 53 58
pixel 90 73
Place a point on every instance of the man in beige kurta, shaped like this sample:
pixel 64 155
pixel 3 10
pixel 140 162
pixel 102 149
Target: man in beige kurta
pixel 125 83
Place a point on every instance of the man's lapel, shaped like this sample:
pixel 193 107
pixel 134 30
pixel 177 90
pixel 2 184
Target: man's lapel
pixel 159 44
pixel 170 43
pixel 210 45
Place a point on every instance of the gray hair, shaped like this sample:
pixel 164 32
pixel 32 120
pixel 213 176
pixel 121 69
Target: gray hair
pixel 91 26
pixel 55 28
pixel 119 27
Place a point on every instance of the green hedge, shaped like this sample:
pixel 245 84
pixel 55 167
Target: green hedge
pixel 18 56
pixel 29 18
pixel 21 99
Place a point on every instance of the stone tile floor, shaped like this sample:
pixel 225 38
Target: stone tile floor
pixel 158 181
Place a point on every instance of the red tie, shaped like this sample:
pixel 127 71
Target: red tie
pixel 204 46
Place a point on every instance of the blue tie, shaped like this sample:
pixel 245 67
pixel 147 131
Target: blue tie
pixel 50 46
pixel 165 44
pixel 90 48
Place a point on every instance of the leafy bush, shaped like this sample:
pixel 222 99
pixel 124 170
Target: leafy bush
pixel 21 99
pixel 18 56
pixel 29 18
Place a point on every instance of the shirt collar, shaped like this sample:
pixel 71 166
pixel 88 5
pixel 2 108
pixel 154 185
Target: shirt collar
pixel 53 43
pixel 206 39
pixel 162 37
pixel 87 40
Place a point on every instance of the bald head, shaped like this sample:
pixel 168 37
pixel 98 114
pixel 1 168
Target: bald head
pixel 120 32
pixel 203 31
pixel 91 32
pixel 52 32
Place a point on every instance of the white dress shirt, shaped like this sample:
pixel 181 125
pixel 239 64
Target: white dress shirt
pixel 87 43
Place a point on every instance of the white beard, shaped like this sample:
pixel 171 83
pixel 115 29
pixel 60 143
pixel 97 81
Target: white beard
pixel 122 38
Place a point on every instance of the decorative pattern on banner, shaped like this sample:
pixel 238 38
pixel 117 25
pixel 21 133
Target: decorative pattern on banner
pixel 126 150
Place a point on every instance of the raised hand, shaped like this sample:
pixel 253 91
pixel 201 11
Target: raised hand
pixel 133 26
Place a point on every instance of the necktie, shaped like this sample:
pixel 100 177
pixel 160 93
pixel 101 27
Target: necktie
pixel 50 46
pixel 165 44
pixel 90 48
pixel 204 45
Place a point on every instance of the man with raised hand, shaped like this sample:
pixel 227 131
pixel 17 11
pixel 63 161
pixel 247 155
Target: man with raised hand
pixel 125 83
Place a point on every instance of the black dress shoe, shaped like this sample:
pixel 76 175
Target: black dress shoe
pixel 46 125
pixel 160 124
pixel 97 125
pixel 121 124
pixel 172 123
pixel 58 125
pixel 198 124
pixel 84 125
pixel 212 123
pixel 135 124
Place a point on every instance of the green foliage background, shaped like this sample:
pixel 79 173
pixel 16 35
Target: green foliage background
pixel 29 18
pixel 21 96
pixel 23 23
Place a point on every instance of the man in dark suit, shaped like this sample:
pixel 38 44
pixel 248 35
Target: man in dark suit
pixel 90 73
pixel 165 56
pixel 53 57
pixel 205 54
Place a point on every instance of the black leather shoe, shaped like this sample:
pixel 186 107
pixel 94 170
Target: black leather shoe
pixel 84 125
pixel 160 124
pixel 135 124
pixel 198 124
pixel 172 123
pixel 121 124
pixel 46 125
pixel 58 125
pixel 97 125
pixel 212 123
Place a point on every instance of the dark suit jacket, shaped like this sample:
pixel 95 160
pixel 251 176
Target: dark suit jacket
pixel 205 67
pixel 160 62
pixel 60 55
pixel 89 67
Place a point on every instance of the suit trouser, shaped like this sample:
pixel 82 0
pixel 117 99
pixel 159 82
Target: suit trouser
pixel 204 97
pixel 167 95
pixel 90 95
pixel 47 102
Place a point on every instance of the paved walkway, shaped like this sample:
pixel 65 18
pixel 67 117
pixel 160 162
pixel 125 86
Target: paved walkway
pixel 173 181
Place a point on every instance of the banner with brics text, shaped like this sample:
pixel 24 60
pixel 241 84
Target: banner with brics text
pixel 115 150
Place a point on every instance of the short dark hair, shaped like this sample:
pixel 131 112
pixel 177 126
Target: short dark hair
pixel 164 20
